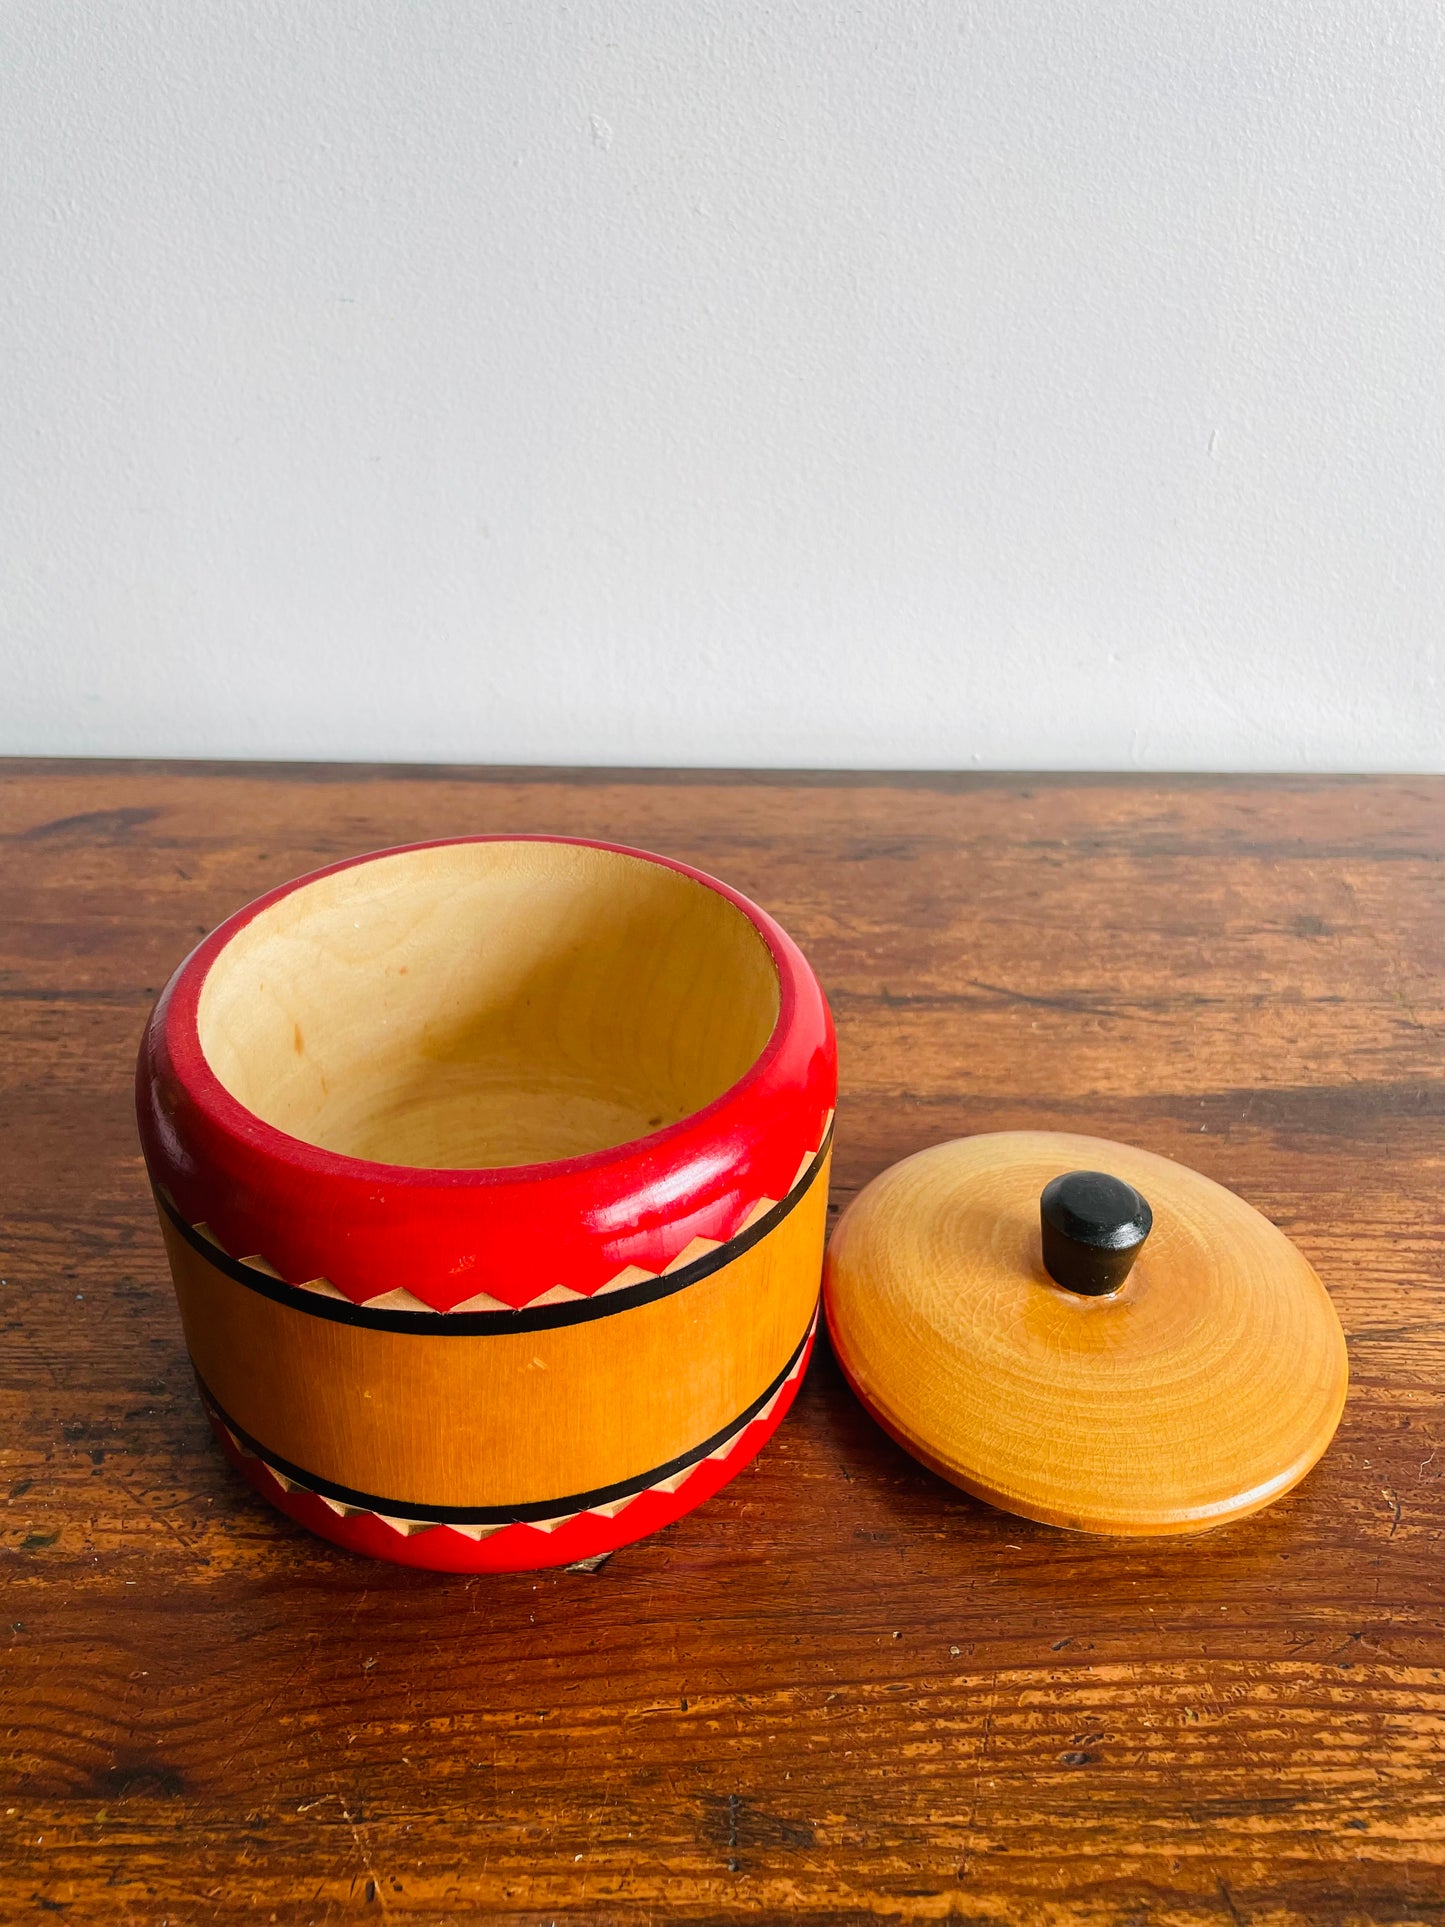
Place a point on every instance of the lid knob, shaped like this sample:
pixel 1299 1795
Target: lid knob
pixel 1094 1228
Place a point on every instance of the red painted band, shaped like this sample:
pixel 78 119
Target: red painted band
pixel 515 1232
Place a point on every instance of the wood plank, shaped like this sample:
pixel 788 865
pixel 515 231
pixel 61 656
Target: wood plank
pixel 840 1690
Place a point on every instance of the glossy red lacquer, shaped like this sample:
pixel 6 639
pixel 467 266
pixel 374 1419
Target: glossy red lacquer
pixel 513 1233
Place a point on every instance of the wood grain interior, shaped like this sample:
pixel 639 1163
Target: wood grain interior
pixel 488 1004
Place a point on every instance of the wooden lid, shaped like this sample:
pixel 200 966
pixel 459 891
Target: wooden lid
pixel 1197 1390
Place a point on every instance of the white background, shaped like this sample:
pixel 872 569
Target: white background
pixel 1019 383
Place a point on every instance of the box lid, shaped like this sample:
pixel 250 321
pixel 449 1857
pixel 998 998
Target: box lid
pixel 1085 1333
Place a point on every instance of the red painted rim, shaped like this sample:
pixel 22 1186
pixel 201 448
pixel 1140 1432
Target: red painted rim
pixel 192 1064
pixel 448 1234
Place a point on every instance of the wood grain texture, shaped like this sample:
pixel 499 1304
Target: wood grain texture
pixel 509 1418
pixel 841 1690
pixel 488 1004
pixel 1202 1389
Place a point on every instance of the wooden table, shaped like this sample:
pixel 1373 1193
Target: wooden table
pixel 841 1690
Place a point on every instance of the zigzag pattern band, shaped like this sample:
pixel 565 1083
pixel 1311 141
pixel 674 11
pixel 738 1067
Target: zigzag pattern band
pixel 326 1303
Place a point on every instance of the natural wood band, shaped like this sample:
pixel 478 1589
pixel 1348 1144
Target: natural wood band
pixel 504 1418
pixel 539 1510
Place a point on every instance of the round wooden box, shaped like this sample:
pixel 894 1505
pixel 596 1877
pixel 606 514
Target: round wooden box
pixel 492 1175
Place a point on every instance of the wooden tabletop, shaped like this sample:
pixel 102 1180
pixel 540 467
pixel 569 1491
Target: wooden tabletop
pixel 841 1691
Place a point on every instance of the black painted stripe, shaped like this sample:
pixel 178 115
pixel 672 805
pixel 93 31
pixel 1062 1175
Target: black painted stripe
pixel 480 1324
pixel 500 1515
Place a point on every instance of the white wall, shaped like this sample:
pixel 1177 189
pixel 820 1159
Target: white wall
pixel 1015 383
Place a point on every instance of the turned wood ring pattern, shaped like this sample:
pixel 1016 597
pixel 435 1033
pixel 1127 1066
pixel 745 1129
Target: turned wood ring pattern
pixel 1202 1387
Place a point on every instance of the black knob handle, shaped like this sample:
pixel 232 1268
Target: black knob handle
pixel 1094 1228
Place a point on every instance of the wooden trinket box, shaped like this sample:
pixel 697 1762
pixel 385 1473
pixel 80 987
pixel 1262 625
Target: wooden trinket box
pixel 492 1175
